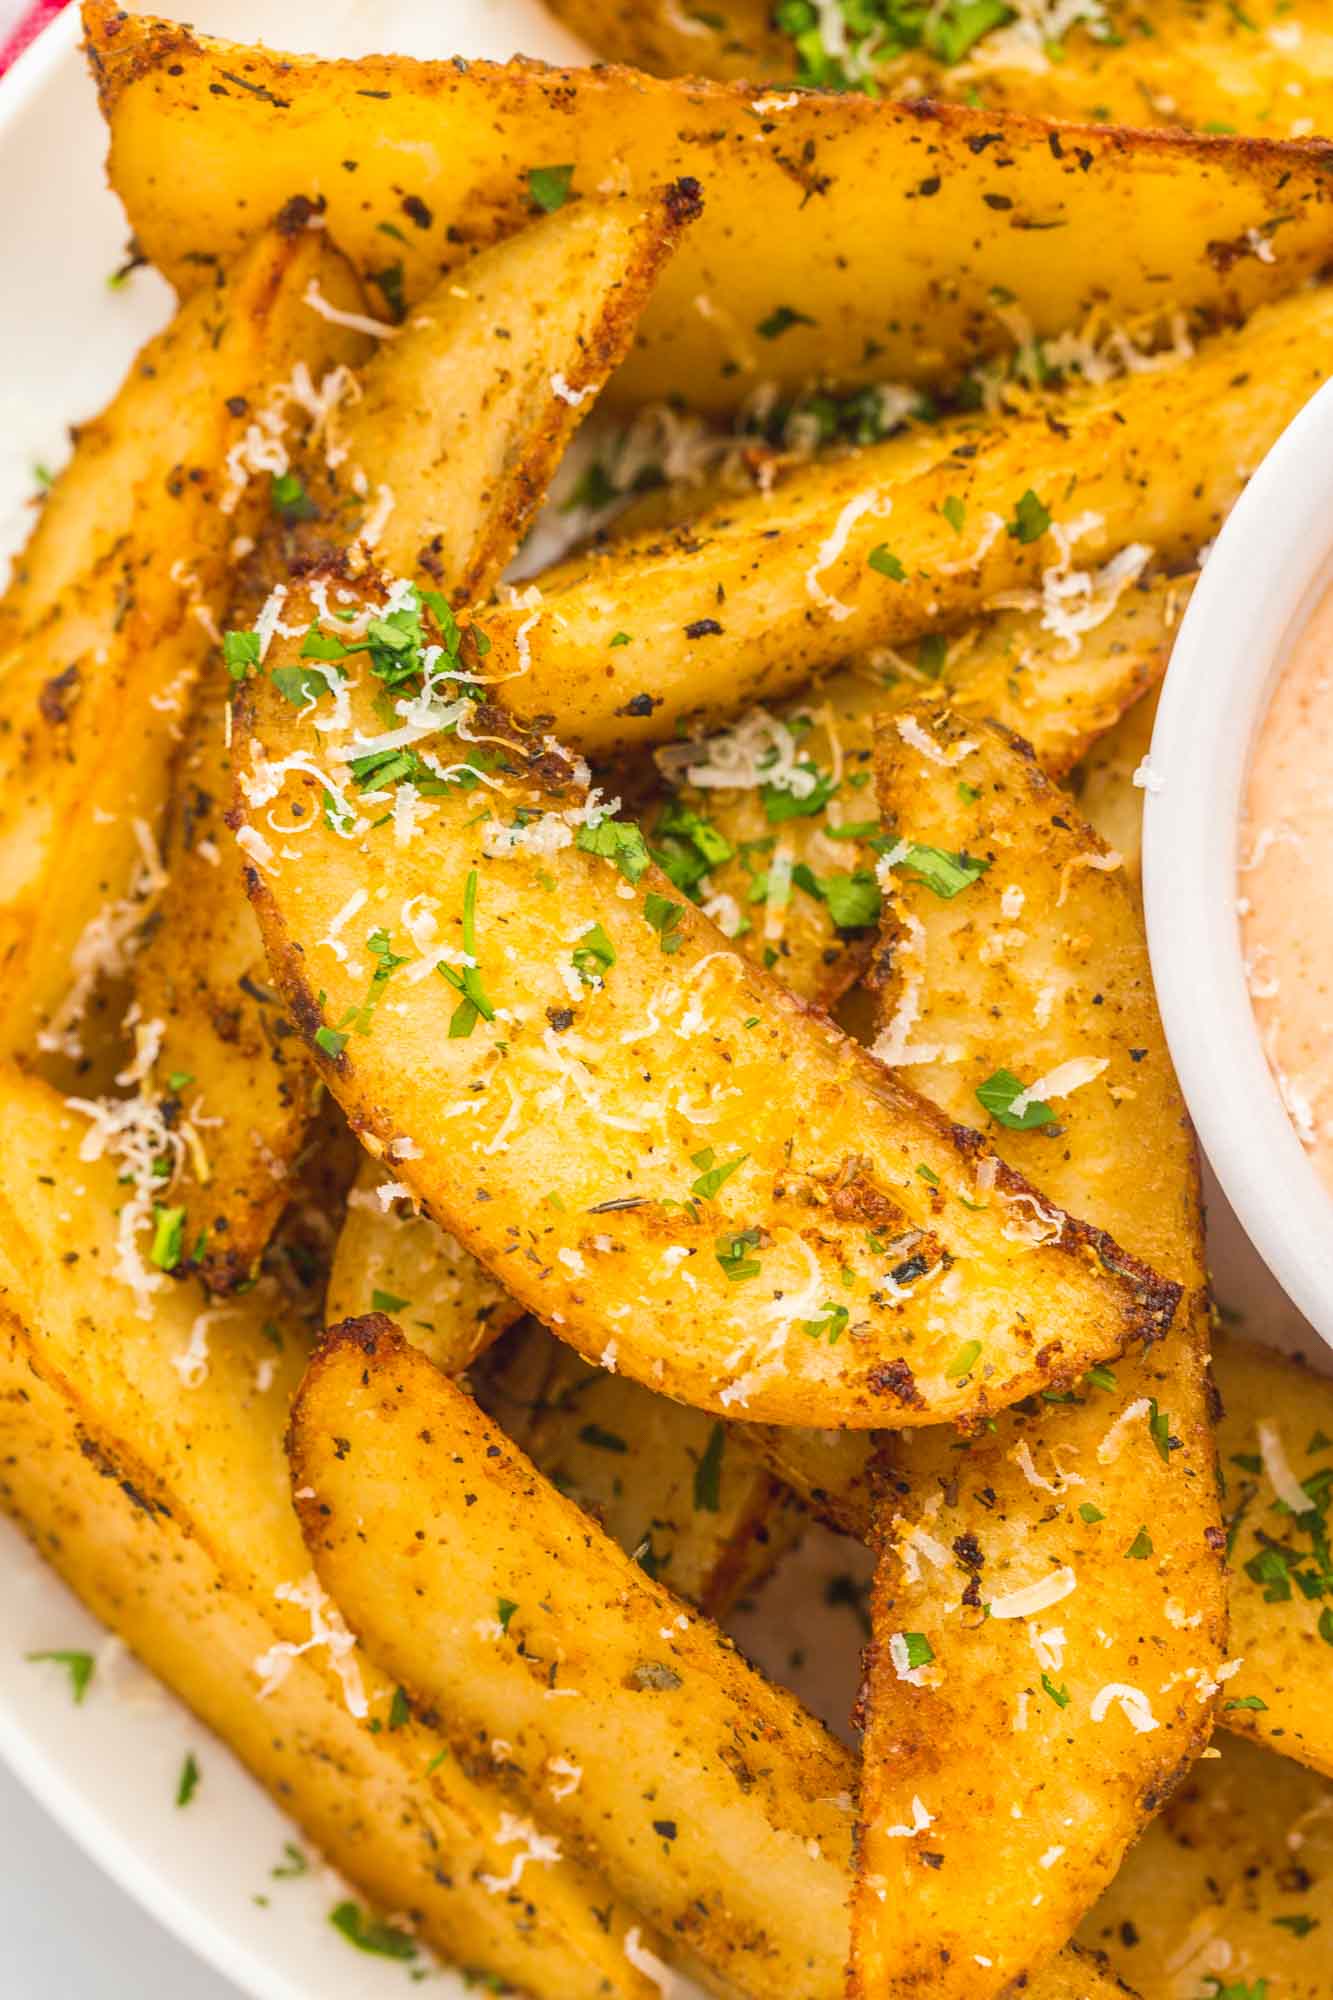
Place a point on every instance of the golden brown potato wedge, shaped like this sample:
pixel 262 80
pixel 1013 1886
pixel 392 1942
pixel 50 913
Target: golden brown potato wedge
pixel 1049 1605
pixel 936 206
pixel 644 1139
pixel 1227 1894
pixel 405 467
pixel 776 866
pixel 673 1487
pixel 1275 1444
pixel 391 1258
pixel 94 696
pixel 1104 784
pixel 589 1670
pixel 1193 63
pixel 744 604
pixel 144 1455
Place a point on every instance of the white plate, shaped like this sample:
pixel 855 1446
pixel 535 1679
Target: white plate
pixel 108 1770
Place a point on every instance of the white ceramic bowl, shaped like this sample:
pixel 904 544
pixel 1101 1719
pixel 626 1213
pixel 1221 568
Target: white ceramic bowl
pixel 1270 565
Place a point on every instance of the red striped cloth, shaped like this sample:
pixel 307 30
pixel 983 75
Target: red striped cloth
pixel 30 24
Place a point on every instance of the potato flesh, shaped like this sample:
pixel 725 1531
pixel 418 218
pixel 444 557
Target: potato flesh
pixel 1035 1777
pixel 746 603
pixel 446 1304
pixel 933 214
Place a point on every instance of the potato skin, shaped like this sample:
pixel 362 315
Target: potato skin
pixel 936 205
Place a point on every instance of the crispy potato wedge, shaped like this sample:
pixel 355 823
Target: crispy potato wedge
pixel 1192 63
pixel 667 1483
pixel 92 698
pixel 1275 1439
pixel 391 1258
pixel 781 869
pixel 744 604
pixel 745 1808
pixel 406 450
pixel 644 1102
pixel 1227 1894
pixel 461 423
pixel 933 210
pixel 144 1455
pixel 1049 1605
pixel 746 1800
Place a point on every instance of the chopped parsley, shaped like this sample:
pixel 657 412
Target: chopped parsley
pixel 920 1652
pixel 733 1254
pixel 964 1361
pixel 400 1710
pixel 1141 1547
pixel 954 512
pixel 602 1440
pixel 617 840
pixel 715 1174
pixel 931 655
pixel 781 804
pixel 1090 1514
pixel 1031 519
pixel 467 979
pixel 780 320
pixel 79 1666
pixel 664 917
pixel 240 652
pixel 505 1607
pixel 289 499
pixel 1247 1701
pixel 368 1934
pixel 550 186
pixel 832 1322
pixel 997 1095
pixel 387 1302
pixel 188 1783
pixel 947 875
pixel 887 564
pixel 168 1237
pixel 1059 1695
pixel 593 956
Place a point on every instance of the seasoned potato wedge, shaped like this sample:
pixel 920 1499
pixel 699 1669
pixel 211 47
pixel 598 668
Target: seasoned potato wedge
pixel 743 1802
pixel 648 1126
pixel 391 1258
pixel 144 1455
pixel 1194 63
pixel 747 602
pixel 781 862
pixel 463 419
pixel 673 1487
pixel 1103 783
pixel 1275 1443
pixel 93 696
pixel 494 1600
pixel 1049 1606
pixel 1227 1894
pixel 396 456
pixel 844 239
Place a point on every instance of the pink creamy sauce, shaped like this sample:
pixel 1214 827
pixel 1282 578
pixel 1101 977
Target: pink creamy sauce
pixel 1286 887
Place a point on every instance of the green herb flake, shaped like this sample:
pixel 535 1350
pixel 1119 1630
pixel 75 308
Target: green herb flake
pixel 505 1607
pixel 240 652
pixel 998 1094
pixel 400 1710
pixel 664 917
pixel 599 1440
pixel 188 1783
pixel 964 1361
pixel 883 560
pixel 1031 519
pixel 945 874
pixel 1141 1547
pixel 168 1237
pixel 713 1176
pixel 955 512
pixel 932 655
pixel 1247 1701
pixel 1299 1926
pixel 331 1040
pixel 368 1934
pixel 832 1321
pixel 1059 1695
pixel 1090 1514
pixel 920 1652
pixel 387 1302
pixel 593 956
pixel 550 187
pixel 292 1865
pixel 780 320
pixel 467 979
pixel 732 1254
pixel 289 499
pixel 79 1666
pixel 619 841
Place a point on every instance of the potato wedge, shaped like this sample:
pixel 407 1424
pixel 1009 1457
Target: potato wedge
pixel 492 1609
pixel 830 1470
pixel 405 465
pixel 671 1486
pixel 662 635
pixel 1275 1440
pixel 1192 63
pixel 93 696
pixel 391 1258
pixel 533 1138
pixel 1227 1894
pixel 768 287
pixel 1049 1605
pixel 1103 783
pixel 144 1455
pixel 723 845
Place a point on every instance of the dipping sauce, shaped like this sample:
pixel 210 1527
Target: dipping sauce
pixel 1286 887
